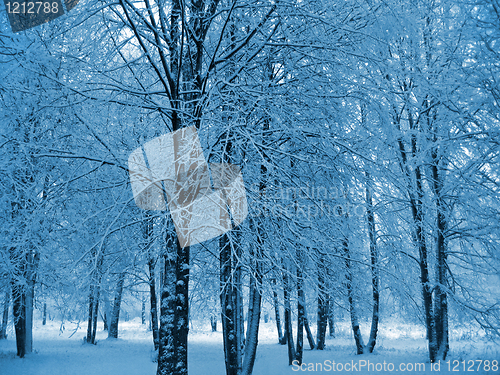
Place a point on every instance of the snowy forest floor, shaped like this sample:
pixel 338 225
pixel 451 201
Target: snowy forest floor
pixel 56 353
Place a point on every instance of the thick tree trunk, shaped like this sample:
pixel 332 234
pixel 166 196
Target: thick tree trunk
pixel 166 333
pixel 5 315
pixel 19 313
pixel 182 310
pixel 29 316
pixel 229 301
pixel 115 316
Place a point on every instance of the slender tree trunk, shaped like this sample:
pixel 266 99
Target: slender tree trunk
pixel 331 317
pixel 440 302
pixel 31 269
pixel 95 312
pixel 143 311
pixel 309 335
pixel 115 316
pixel 288 318
pixel 254 310
pixel 374 271
pixel 281 337
pixel 213 323
pixel 44 316
pixel 350 294
pixel 300 310
pixel 5 317
pixel 91 310
pixel 416 195
pixel 153 302
pixel 322 306
pixel 107 310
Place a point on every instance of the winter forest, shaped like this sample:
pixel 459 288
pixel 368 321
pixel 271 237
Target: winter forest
pixel 367 136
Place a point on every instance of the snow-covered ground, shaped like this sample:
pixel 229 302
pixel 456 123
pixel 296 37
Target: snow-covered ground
pixel 400 345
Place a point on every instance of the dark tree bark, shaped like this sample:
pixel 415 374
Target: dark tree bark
pixel 91 311
pixel 5 315
pixel 310 338
pixel 229 281
pixel 415 192
pixel 153 302
pixel 254 310
pixel 440 301
pixel 147 232
pixel 181 310
pixel 374 270
pixel 301 310
pixel 166 333
pixel 331 317
pixel 352 307
pixel 288 318
pixel 106 315
pixel 213 323
pixel 29 300
pixel 143 311
pixel 44 315
pixel 281 337
pixel 115 316
pixel 95 312
pixel 322 320
pixel 19 313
